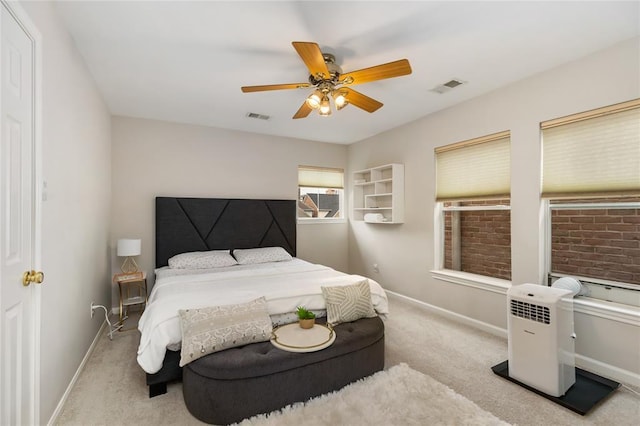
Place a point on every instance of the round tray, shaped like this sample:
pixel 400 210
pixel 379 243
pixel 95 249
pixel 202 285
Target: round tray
pixel 293 338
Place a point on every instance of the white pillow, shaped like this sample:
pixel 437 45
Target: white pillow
pixel 261 255
pixel 202 260
pixel 216 328
pixel 348 303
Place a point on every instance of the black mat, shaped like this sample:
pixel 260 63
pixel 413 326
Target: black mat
pixel 587 392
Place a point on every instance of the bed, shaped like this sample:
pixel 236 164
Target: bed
pixel 185 225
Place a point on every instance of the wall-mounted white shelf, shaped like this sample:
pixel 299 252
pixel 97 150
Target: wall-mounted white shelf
pixel 379 190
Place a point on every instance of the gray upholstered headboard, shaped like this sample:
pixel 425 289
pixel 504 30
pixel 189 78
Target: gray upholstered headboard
pixel 201 224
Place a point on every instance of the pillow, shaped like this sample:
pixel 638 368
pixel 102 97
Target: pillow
pixel 348 303
pixel 261 255
pixel 202 260
pixel 216 328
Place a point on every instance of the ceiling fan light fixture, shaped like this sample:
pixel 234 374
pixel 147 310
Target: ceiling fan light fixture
pixel 315 99
pixel 325 107
pixel 340 99
pixel 327 79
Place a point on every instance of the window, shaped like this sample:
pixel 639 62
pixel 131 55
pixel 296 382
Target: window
pixel 591 182
pixel 320 193
pixel 477 237
pixel 474 217
pixel 597 241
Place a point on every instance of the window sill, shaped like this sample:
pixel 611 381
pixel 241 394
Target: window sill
pixel 609 310
pixel 495 285
pixel 618 312
pixel 320 221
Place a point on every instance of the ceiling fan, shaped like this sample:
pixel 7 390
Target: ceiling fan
pixel 329 81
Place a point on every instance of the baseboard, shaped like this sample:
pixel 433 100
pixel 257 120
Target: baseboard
pixel 607 370
pixel 586 363
pixel 489 328
pixel 56 412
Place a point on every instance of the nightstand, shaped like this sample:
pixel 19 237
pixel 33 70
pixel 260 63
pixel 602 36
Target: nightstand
pixel 132 288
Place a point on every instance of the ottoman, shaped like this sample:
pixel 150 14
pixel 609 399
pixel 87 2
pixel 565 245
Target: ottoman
pixel 228 386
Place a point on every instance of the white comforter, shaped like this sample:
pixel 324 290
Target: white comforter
pixel 285 285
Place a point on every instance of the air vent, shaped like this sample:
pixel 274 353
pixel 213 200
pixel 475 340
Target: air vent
pixel 445 87
pixel 258 116
pixel 530 311
pixel 452 83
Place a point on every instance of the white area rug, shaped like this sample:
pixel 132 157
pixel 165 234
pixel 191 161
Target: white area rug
pixel 398 396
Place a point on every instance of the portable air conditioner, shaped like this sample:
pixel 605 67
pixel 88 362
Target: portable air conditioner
pixel 541 337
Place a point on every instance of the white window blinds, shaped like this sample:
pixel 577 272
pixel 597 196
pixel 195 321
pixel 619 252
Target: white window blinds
pixel 320 177
pixel 592 153
pixel 477 168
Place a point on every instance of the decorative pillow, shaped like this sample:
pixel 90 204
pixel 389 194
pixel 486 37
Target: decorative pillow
pixel 348 303
pixel 261 255
pixel 202 260
pixel 216 328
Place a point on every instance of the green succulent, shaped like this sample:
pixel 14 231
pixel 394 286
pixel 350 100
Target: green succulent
pixel 304 313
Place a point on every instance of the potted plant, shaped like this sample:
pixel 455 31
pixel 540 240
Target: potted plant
pixel 306 318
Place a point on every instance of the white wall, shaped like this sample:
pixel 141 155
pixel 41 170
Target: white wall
pixel 405 253
pixel 76 161
pixel 156 158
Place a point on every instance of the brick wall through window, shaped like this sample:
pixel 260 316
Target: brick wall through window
pixel 482 243
pixel 597 243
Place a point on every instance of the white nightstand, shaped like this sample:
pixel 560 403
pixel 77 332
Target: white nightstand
pixel 132 288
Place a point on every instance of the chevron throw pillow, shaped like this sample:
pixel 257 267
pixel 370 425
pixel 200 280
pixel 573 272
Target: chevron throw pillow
pixel 348 303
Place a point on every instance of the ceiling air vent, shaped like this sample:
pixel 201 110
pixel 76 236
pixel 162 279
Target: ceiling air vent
pixel 258 116
pixel 444 88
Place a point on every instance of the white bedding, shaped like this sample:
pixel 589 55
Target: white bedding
pixel 285 285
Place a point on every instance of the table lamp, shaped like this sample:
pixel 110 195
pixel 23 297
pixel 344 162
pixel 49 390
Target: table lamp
pixel 129 248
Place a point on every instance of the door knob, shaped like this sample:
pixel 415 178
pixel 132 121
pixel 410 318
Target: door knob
pixel 32 277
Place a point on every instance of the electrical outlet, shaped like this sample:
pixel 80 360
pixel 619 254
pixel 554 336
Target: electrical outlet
pixel 92 308
pixel 375 267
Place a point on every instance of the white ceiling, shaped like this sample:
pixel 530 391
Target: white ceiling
pixel 186 61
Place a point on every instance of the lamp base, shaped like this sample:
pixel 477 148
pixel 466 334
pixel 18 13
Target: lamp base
pixel 129 265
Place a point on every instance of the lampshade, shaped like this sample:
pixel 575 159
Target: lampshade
pixel 314 99
pixel 325 106
pixel 340 99
pixel 129 247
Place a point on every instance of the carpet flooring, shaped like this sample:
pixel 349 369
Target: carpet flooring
pixel 399 395
pixel 111 389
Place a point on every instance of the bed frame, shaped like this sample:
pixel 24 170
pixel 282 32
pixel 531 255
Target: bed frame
pixel 200 224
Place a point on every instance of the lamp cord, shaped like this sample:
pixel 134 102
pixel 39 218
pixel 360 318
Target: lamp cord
pixel 112 327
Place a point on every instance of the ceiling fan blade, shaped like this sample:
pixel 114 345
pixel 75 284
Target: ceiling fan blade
pixel 379 72
pixel 303 111
pixel 312 57
pixel 362 101
pixel 247 89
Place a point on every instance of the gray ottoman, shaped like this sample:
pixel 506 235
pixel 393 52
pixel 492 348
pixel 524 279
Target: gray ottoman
pixel 228 386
